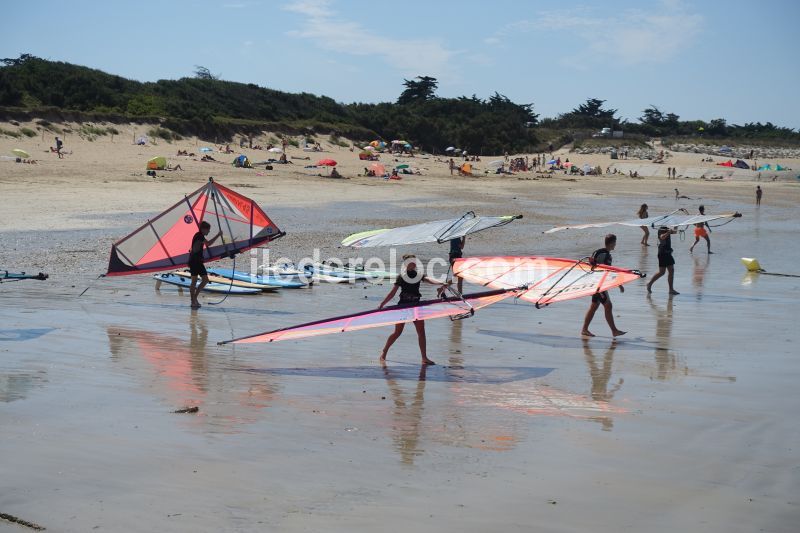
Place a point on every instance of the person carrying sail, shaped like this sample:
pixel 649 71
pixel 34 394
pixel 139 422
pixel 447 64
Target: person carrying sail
pixel 701 230
pixel 602 256
pixel 666 262
pixel 456 252
pixel 195 263
pixel 408 283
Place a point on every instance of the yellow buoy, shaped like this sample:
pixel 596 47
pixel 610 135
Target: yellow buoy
pixel 751 264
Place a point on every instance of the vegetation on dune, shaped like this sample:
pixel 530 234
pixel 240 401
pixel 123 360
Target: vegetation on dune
pixel 206 106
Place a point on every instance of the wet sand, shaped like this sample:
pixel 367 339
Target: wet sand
pixel 685 423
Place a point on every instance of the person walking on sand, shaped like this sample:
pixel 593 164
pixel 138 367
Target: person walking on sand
pixel 59 146
pixel 602 256
pixel 452 166
pixel 408 283
pixel 666 263
pixel 643 214
pixel 759 193
pixel 195 263
pixel 701 230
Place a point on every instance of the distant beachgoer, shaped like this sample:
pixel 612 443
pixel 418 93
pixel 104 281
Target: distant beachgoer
pixel 677 194
pixel 408 283
pixel 602 256
pixel 195 263
pixel 452 166
pixel 759 193
pixel 643 214
pixel 59 145
pixel 335 173
pixel 701 230
pixel 666 263
pixel 456 252
pixel 674 173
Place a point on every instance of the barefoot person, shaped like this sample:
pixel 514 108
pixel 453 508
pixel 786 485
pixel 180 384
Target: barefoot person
pixel 456 252
pixel 195 263
pixel 759 194
pixel 643 214
pixel 602 257
pixel 408 282
pixel 666 263
pixel 701 230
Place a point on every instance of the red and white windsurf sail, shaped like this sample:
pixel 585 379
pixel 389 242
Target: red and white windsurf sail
pixel 163 242
pixel 440 308
pixel 543 280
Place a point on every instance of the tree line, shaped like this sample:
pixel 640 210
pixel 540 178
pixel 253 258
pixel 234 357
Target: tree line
pixel 205 105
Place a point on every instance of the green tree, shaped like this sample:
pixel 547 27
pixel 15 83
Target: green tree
pixel 418 91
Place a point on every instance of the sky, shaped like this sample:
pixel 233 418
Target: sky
pixel 701 59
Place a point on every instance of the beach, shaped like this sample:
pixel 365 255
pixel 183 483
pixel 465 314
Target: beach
pixel 685 423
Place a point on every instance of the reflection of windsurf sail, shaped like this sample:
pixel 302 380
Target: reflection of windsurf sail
pixel 163 242
pixel 542 280
pixel 673 219
pixel 397 314
pixel 437 231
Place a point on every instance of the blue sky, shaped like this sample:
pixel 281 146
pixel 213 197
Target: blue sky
pixel 702 60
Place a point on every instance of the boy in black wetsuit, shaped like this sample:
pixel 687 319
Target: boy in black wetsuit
pixel 603 257
pixel 195 263
pixel 456 252
pixel 408 283
pixel 665 260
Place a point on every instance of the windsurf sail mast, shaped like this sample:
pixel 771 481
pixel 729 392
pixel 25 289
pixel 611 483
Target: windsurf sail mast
pixel 6 276
pixel 454 307
pixel 163 242
pixel 543 280
pixel 669 220
pixel 437 231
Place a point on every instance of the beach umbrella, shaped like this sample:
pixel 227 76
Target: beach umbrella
pixel 567 165
pixel 449 149
pixel 497 163
pixel 21 153
pixel 326 163
pixel 551 162
pixel 399 167
pixel 275 150
pixel 206 149
pixel 369 148
pixel 407 145
pixel 378 169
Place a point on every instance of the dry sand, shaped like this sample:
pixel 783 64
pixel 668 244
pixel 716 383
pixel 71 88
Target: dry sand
pixel 686 423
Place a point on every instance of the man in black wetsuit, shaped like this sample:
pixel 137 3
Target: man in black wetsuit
pixel 195 263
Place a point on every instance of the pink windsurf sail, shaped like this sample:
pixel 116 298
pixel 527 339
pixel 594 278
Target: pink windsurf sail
pixel 163 242
pixel 543 280
pixel 440 308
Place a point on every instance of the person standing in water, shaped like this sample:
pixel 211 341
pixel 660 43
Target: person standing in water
pixel 456 252
pixel 602 256
pixel 408 283
pixel 759 193
pixel 643 214
pixel 195 263
pixel 701 229
pixel 666 263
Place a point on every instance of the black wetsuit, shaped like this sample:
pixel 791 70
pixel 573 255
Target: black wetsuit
pixel 195 263
pixel 601 257
pixel 455 249
pixel 409 290
pixel 665 258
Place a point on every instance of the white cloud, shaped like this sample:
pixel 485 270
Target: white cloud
pixel 410 56
pixel 628 37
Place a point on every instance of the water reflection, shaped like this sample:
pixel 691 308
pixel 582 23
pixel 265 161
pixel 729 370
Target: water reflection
pixel 600 373
pixel 700 267
pixel 666 363
pixel 182 374
pixel 406 414
pixel 17 385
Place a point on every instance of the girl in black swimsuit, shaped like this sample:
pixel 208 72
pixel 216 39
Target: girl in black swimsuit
pixel 408 283
pixel 665 260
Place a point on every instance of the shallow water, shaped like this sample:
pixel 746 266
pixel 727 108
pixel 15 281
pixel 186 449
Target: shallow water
pixel 688 422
